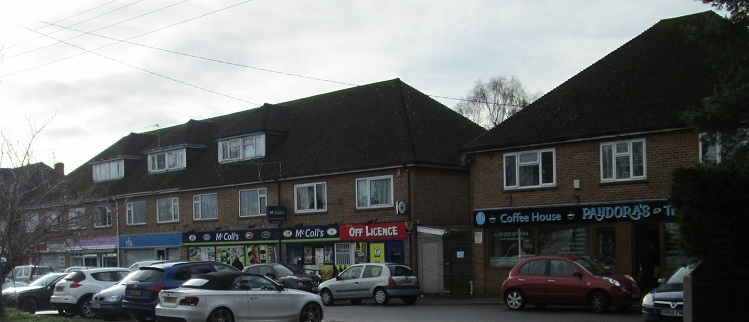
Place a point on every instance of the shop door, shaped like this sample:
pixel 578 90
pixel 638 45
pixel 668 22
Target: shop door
pixel 647 255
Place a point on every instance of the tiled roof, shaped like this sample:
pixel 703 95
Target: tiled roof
pixel 641 86
pixel 372 126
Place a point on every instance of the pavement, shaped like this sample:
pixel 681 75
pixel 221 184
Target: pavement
pixel 441 299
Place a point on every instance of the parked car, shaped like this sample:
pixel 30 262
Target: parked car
pixel 74 292
pixel 380 281
pixel 35 296
pixel 9 283
pixel 108 302
pixel 283 274
pixel 237 296
pixel 76 268
pixel 666 302
pixel 567 280
pixel 27 273
pixel 142 291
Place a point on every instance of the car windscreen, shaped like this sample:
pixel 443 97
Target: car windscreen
pixel 282 270
pixel 147 275
pixel 45 280
pixel 678 276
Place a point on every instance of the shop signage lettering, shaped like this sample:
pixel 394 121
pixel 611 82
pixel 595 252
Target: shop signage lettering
pixel 375 231
pixel 642 211
pixel 227 236
pixel 309 233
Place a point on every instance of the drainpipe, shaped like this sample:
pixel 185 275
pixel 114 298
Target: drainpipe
pixel 117 230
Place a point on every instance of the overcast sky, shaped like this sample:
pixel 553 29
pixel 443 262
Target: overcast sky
pixel 96 70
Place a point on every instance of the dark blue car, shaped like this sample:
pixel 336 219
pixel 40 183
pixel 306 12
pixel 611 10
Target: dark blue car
pixel 142 291
pixel 666 302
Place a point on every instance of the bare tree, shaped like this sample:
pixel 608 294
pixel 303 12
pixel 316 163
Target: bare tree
pixel 490 103
pixel 23 184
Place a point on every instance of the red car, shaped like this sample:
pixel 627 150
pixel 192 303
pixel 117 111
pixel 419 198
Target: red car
pixel 567 280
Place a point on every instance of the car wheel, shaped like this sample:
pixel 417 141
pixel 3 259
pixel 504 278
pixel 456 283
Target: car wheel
pixel 515 300
pixel 381 296
pixel 409 300
pixel 600 301
pixel 66 312
pixel 27 304
pixel 355 301
pixel 311 313
pixel 326 297
pixel 221 314
pixel 84 307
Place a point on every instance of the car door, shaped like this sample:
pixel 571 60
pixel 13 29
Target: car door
pixel 371 276
pixel 265 302
pixel 563 287
pixel 347 284
pixel 532 280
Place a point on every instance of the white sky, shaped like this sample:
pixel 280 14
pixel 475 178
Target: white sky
pixel 271 51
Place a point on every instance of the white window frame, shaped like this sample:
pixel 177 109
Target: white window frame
pixel 262 202
pixel 130 210
pixel 615 154
pixel 54 220
pixel 514 182
pixel 173 206
pixel 241 148
pixel 77 218
pixel 32 222
pixel 368 195
pixel 107 171
pixel 172 160
pixel 107 218
pixel 316 207
pixel 198 201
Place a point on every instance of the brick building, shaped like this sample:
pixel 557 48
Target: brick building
pixel 586 169
pixel 370 173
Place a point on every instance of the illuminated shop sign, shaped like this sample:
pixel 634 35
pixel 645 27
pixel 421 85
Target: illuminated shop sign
pixel 261 235
pixel 638 211
pixel 310 233
pixel 374 231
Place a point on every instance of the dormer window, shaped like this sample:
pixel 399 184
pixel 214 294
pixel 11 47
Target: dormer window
pixel 241 148
pixel 109 170
pixel 166 161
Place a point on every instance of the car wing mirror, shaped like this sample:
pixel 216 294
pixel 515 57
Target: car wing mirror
pixel 662 280
pixel 578 274
pixel 280 287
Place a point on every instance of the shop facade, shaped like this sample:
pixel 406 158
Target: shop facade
pixel 136 248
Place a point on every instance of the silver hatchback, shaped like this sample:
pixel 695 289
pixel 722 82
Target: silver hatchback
pixel 379 281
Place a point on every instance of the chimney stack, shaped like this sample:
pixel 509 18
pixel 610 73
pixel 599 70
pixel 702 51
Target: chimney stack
pixel 60 168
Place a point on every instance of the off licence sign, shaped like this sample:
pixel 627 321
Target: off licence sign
pixel 374 231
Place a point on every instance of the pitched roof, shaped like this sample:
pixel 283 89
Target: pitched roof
pixel 372 126
pixel 640 87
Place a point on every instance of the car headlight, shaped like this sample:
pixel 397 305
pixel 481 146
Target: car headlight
pixel 647 300
pixel 612 281
pixel 113 298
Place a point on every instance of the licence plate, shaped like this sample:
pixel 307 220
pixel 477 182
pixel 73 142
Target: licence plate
pixel 95 305
pixel 136 292
pixel 672 313
pixel 407 282
pixel 170 300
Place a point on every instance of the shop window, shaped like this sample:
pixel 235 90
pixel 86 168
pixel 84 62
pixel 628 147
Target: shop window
pixel 344 254
pixel 510 245
pixel 674 255
pixel 563 240
pixel 606 247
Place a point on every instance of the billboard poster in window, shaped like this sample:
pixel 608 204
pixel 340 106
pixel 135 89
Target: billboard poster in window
pixel 202 253
pixel 377 252
pixel 309 255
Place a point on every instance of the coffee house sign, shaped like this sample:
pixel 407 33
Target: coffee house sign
pixel 639 211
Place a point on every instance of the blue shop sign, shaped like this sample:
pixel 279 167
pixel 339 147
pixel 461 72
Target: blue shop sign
pixel 637 211
pixel 150 240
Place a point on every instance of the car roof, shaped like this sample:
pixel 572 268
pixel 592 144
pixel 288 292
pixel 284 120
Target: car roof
pixel 168 264
pixel 222 279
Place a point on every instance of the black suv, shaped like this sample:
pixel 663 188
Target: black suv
pixel 142 291
pixel 288 275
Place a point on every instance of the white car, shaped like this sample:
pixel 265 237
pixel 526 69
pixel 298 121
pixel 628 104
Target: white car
pixel 378 281
pixel 73 293
pixel 231 296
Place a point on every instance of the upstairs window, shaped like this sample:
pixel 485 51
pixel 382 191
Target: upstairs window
pixel 623 161
pixel 54 220
pixel 167 210
pixel 102 217
pixel 530 169
pixel 136 213
pixel 252 202
pixel 241 148
pixel 32 222
pixel 205 206
pixel 111 170
pixel 310 197
pixel 376 192
pixel 166 161
pixel 77 218
pixel 711 150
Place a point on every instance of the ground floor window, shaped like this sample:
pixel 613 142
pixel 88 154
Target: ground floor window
pixel 510 245
pixel 674 255
pixel 563 240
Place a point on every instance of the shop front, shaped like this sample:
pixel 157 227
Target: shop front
pixel 373 242
pixel 135 248
pixel 639 238
pixel 93 252
pixel 234 247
